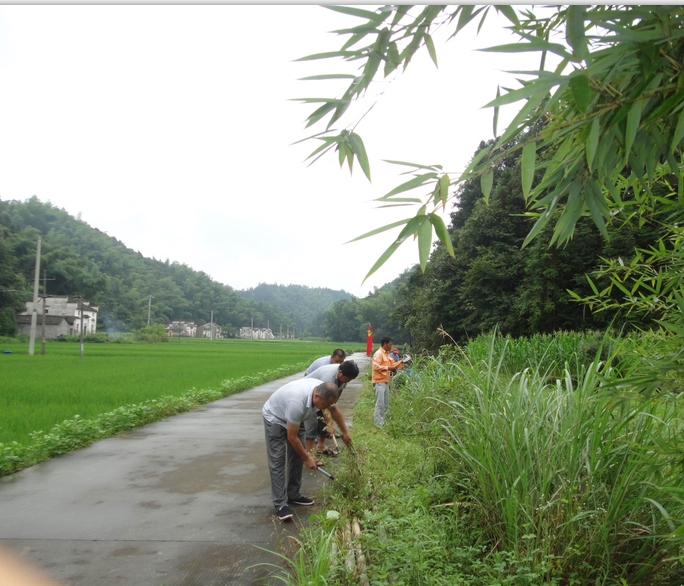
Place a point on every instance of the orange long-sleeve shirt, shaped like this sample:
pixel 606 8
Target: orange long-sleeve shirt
pixel 381 364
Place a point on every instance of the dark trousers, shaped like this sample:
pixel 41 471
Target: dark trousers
pixel 284 464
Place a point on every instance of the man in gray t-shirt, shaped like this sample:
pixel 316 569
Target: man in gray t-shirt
pixel 337 357
pixel 284 413
pixel 339 375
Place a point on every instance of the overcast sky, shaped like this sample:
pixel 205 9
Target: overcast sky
pixel 170 128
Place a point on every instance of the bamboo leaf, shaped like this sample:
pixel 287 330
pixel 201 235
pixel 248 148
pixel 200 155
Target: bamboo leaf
pixel 466 16
pixel 330 76
pixel 508 12
pixel 416 165
pixel 486 182
pixel 592 142
pixel 538 225
pixel 529 155
pixel 402 199
pixel 521 93
pixel 442 233
pixel 410 228
pixel 429 43
pixel 525 111
pixel 356 145
pixel 581 92
pixel 444 183
pixel 524 47
pixel 392 60
pixel 476 160
pixel 400 13
pixel 678 133
pixel 411 184
pixel 330 55
pixel 379 230
pixel 424 243
pixel 633 120
pixel 496 109
pixel 575 31
pixel 591 196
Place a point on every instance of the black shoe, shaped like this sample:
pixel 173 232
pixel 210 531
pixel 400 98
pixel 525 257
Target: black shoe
pixel 302 501
pixel 284 513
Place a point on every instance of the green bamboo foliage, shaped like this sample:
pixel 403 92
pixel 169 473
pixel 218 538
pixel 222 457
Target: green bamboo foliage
pixel 610 111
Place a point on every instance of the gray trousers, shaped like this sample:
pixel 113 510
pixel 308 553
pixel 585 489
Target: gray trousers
pixel 282 457
pixel 381 402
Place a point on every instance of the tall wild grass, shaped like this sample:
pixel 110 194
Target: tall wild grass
pixel 572 472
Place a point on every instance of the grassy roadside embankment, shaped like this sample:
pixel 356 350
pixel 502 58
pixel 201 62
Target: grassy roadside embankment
pixel 485 474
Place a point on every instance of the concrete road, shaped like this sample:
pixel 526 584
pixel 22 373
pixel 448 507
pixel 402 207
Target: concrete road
pixel 181 502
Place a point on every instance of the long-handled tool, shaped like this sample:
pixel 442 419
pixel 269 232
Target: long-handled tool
pixel 332 426
pixel 324 473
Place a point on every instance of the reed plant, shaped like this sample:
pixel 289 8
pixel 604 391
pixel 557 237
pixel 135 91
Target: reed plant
pixel 568 472
pixel 542 352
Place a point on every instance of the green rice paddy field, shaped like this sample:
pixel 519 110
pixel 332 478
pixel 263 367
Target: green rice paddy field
pixel 36 392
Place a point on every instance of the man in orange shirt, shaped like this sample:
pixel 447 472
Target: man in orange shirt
pixel 382 366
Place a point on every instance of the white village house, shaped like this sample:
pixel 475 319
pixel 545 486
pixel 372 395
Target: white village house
pixel 186 329
pixel 62 317
pixel 189 329
pixel 210 330
pixel 257 333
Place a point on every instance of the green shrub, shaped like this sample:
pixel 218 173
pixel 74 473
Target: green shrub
pixel 153 334
pixel 18 339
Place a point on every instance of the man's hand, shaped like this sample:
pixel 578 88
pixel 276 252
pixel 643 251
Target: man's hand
pixel 311 464
pixel 346 438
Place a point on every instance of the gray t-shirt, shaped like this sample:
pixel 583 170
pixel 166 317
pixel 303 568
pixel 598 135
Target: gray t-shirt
pixel 328 374
pixel 323 360
pixel 291 403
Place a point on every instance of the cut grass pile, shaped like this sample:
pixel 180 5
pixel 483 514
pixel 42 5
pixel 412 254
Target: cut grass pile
pixel 38 392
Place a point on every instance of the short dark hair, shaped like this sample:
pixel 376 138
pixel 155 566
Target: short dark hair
pixel 328 392
pixel 349 369
pixel 385 340
pixel 339 352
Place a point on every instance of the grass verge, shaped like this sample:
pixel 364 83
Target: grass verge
pixel 487 476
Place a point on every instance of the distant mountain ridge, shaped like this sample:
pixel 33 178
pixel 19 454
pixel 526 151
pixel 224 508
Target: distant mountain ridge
pixel 306 306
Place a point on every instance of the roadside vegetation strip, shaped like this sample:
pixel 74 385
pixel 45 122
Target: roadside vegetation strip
pixel 483 477
pixel 76 432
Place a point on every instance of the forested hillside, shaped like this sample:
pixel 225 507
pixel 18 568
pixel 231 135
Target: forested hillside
pixel 307 306
pixel 85 261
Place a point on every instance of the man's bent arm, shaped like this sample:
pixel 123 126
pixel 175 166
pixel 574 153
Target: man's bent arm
pixel 298 446
pixel 336 414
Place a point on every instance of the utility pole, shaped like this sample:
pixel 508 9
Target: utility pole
pixel 34 313
pixel 45 280
pixel 149 308
pixel 281 330
pixel 81 326
pixel 211 325
pixel 42 348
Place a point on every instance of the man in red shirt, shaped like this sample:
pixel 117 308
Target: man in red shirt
pixel 382 366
